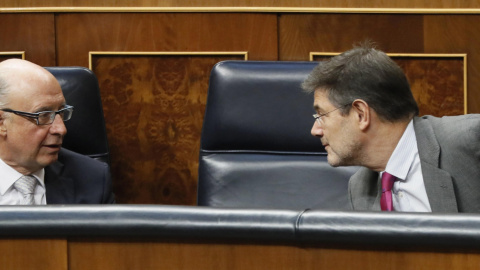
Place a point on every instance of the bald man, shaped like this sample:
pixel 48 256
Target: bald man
pixel 32 114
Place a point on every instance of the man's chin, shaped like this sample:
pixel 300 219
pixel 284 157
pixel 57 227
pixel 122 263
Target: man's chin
pixel 335 161
pixel 49 159
pixel 332 161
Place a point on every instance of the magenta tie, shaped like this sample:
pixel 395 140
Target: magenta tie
pixel 386 202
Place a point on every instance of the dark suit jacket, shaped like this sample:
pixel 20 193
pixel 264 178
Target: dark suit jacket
pixel 78 179
pixel 449 151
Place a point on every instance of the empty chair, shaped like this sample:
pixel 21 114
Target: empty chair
pixel 256 148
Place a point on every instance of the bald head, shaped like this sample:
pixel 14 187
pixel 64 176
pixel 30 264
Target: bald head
pixel 26 91
pixel 18 74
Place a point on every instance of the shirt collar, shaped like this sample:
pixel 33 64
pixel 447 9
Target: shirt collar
pixel 9 175
pixel 403 156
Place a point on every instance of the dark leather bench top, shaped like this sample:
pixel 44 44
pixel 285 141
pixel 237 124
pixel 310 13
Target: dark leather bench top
pixel 366 229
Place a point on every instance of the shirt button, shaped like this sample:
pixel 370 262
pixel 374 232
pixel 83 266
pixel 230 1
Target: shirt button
pixel 400 194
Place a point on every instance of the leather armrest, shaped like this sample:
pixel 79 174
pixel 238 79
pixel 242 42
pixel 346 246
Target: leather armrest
pixel 325 228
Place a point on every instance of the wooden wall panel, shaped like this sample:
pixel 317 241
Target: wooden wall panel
pixel 154 105
pixel 80 33
pixel 48 254
pixel 169 255
pixel 246 3
pixel 300 34
pixel 91 254
pixel 32 33
pixel 437 84
pixel 458 34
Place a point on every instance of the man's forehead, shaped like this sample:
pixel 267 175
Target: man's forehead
pixel 35 82
pixel 321 100
pixel 47 93
pixel 320 92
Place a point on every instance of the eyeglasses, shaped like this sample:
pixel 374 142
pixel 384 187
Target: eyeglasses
pixel 45 117
pixel 319 118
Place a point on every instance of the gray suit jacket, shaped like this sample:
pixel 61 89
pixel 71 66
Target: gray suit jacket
pixel 449 151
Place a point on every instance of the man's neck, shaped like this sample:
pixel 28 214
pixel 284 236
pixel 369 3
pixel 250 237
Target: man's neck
pixel 381 142
pixel 15 166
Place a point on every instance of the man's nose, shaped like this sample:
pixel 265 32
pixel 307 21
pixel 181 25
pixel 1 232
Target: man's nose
pixel 58 126
pixel 317 130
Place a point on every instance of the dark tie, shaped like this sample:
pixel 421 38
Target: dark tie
pixel 26 186
pixel 386 202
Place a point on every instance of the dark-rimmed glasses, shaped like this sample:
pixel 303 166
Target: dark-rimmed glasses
pixel 45 117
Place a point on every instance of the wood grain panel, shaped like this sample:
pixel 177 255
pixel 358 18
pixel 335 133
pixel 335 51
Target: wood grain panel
pixel 164 255
pixel 300 34
pixel 458 34
pixel 80 33
pixel 245 3
pixel 32 33
pixel 437 82
pixel 392 260
pixel 48 254
pixel 154 107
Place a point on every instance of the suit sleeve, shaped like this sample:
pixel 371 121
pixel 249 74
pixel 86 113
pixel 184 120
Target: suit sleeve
pixel 108 196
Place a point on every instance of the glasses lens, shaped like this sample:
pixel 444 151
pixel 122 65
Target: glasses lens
pixel 66 113
pixel 46 118
pixel 318 119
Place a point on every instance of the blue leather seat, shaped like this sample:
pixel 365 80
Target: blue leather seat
pixel 256 148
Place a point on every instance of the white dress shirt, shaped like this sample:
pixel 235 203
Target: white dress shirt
pixel 9 195
pixel 408 193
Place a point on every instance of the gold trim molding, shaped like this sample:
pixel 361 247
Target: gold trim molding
pixel 245 9
pixel 22 53
pixel 114 53
pixel 419 55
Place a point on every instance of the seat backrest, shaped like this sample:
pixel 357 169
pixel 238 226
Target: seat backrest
pixel 86 133
pixel 256 147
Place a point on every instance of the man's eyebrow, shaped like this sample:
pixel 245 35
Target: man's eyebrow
pixel 49 109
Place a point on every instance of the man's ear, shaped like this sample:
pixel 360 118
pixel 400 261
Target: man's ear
pixel 362 113
pixel 3 127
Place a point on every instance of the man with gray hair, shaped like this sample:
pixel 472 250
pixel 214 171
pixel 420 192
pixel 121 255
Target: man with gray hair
pixel 366 116
pixel 34 168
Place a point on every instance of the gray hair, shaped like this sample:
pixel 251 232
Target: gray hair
pixel 4 90
pixel 368 74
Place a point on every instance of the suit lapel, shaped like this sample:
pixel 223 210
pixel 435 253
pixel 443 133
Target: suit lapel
pixel 366 188
pixel 438 183
pixel 59 189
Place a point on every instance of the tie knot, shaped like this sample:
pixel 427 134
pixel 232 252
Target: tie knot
pixel 26 184
pixel 387 181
